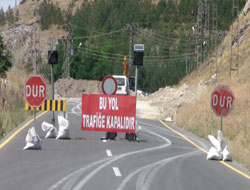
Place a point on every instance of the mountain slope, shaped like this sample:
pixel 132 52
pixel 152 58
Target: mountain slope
pixel 236 126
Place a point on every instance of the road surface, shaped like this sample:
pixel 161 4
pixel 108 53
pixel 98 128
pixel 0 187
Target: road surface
pixel 160 159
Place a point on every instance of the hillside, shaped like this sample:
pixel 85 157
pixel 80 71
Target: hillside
pixel 175 100
pixel 188 104
pixel 201 120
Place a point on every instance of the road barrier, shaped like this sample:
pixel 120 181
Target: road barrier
pixel 49 105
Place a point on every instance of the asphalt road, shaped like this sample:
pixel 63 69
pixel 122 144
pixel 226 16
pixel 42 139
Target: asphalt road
pixel 160 160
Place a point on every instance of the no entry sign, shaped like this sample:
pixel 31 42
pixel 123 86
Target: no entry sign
pixel 222 100
pixel 109 85
pixel 108 113
pixel 35 91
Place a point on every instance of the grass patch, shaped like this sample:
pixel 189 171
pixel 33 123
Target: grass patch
pixel 12 102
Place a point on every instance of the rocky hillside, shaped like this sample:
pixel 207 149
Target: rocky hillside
pixel 198 117
pixel 26 40
pixel 188 103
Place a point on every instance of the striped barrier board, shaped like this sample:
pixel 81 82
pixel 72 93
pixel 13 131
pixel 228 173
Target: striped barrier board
pixel 49 105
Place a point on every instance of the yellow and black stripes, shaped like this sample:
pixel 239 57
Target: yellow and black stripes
pixel 49 105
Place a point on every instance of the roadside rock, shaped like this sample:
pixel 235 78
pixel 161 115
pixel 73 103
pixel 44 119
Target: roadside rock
pixel 71 88
pixel 27 41
pixel 246 8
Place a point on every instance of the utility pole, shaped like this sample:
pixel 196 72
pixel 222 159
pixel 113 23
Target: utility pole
pixel 207 29
pixel 131 28
pixel 214 38
pixel 68 47
pixel 198 35
pixel 234 63
pixel 35 53
pixel 15 11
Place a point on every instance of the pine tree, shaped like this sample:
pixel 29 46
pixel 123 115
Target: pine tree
pixel 2 17
pixel 10 16
pixel 5 58
pixel 17 15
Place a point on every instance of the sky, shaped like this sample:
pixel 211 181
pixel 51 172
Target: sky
pixel 5 4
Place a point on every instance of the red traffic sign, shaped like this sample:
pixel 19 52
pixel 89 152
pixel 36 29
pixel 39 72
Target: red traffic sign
pixel 35 91
pixel 109 85
pixel 110 113
pixel 222 100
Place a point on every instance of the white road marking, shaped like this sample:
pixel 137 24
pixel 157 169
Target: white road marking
pixel 104 140
pixel 118 157
pixel 109 153
pixel 145 172
pixel 117 172
pixel 71 179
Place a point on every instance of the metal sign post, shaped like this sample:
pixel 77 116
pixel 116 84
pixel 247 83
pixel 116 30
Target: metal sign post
pixel 52 60
pixel 221 120
pixel 138 61
pixel 53 96
pixel 136 75
pixel 35 116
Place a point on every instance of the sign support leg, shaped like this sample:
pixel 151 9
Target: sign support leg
pixel 136 75
pixel 221 120
pixel 34 116
pixel 52 86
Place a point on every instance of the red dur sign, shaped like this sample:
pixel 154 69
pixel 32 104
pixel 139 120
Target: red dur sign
pixel 35 91
pixel 110 113
pixel 222 100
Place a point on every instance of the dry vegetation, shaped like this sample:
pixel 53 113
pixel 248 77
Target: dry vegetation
pixel 198 117
pixel 12 101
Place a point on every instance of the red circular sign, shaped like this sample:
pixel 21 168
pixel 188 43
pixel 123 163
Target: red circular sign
pixel 222 100
pixel 109 85
pixel 35 91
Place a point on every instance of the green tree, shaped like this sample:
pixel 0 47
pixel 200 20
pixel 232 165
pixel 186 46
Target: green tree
pixel 2 17
pixel 5 58
pixel 17 16
pixel 10 16
pixel 163 29
pixel 50 14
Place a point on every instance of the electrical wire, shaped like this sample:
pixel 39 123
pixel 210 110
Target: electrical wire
pixel 94 51
pixel 169 59
pixel 99 35
pixel 153 58
pixel 103 56
pixel 178 55
pixel 145 60
pixel 166 39
pixel 159 41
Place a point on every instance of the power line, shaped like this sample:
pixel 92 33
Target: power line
pixel 170 58
pixel 100 35
pixel 107 55
pixel 165 37
pixel 122 55
pixel 159 41
pixel 184 54
pixel 94 51
pixel 103 56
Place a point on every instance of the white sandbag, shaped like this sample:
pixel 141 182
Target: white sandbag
pixel 46 126
pixel 226 155
pixel 213 154
pixel 32 140
pixel 221 139
pixel 215 143
pixel 63 132
pixel 52 131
